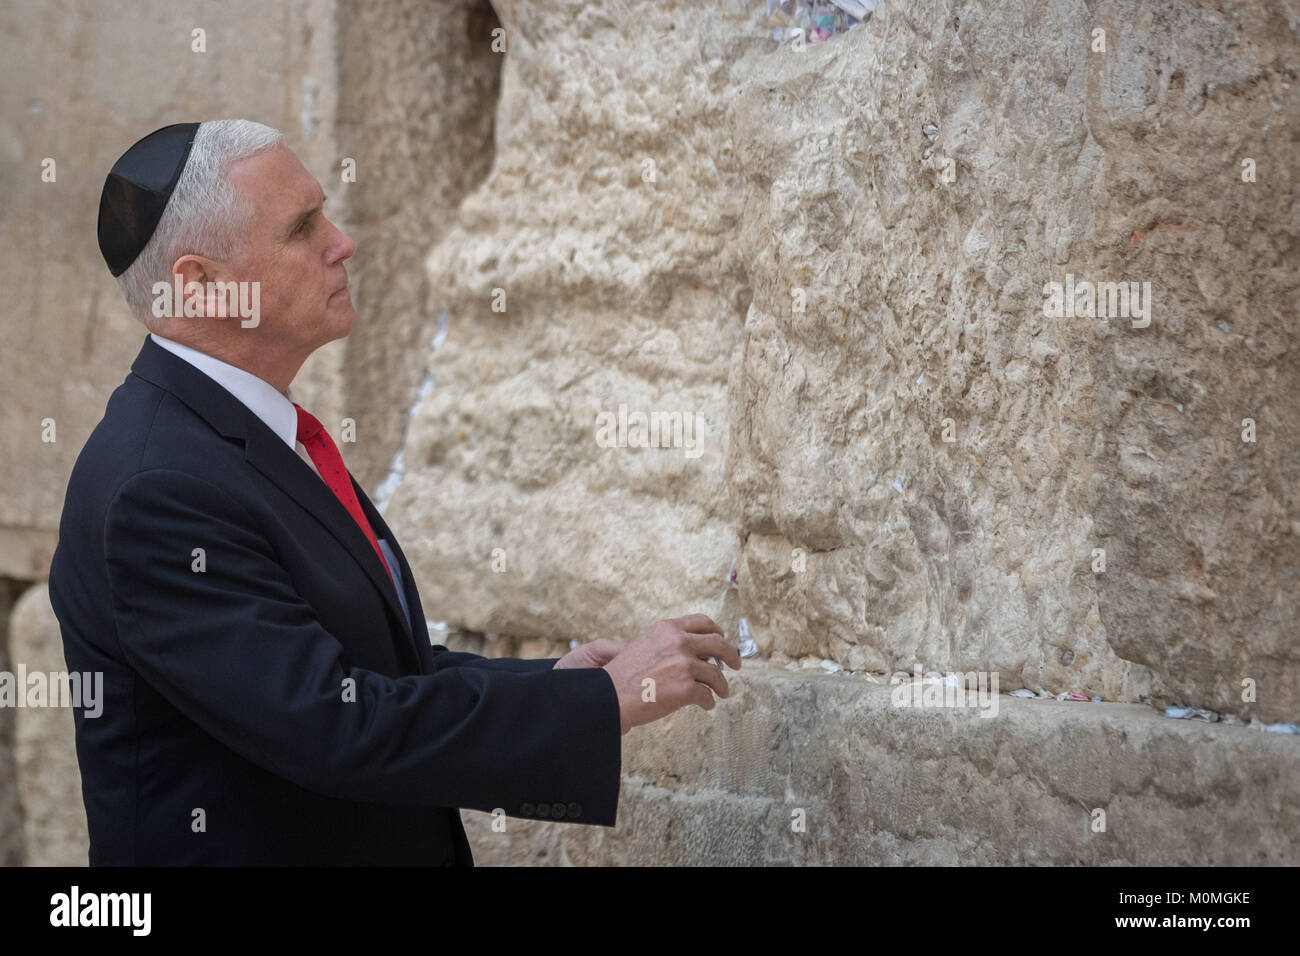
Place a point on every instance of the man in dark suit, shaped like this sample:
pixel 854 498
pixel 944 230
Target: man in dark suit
pixel 271 692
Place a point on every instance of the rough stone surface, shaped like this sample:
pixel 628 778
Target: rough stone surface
pixel 11 809
pixel 49 780
pixel 613 290
pixel 880 784
pixel 834 288
pixel 415 112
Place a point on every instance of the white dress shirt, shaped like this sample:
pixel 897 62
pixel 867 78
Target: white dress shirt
pixel 273 407
pixel 276 409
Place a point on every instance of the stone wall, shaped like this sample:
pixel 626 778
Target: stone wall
pixel 45 753
pixel 840 262
pixel 813 770
pixel 418 86
pixel 837 259
pixel 11 808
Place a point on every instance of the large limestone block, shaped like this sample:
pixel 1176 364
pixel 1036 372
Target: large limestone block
pixel 418 87
pixel 605 232
pixel 49 779
pixel 839 259
pixel 960 455
pixel 11 810
pixel 807 769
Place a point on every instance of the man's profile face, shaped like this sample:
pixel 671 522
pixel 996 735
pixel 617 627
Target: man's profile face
pixel 293 251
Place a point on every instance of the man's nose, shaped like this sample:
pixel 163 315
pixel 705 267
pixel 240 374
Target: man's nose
pixel 343 246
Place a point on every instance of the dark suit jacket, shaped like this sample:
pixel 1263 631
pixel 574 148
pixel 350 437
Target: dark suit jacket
pixel 277 707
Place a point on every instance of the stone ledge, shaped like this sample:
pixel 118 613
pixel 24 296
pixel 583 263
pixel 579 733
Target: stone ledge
pixel 887 785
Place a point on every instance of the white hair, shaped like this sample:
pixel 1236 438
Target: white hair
pixel 203 216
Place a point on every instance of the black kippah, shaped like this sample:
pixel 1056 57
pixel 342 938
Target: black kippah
pixel 136 192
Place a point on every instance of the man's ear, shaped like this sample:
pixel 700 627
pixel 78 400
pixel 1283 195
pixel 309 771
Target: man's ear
pixel 194 268
pixel 201 270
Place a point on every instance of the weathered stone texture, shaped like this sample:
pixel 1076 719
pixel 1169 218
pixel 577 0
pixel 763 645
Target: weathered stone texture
pixel 418 85
pixel 841 256
pixel 49 780
pixel 11 809
pixel 884 785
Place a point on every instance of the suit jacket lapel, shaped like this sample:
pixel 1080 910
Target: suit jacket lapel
pixel 264 450
pixel 418 630
pixel 272 457
pixel 419 626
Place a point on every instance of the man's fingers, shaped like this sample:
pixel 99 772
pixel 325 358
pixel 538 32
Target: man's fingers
pixel 714 645
pixel 703 697
pixel 706 673
pixel 697 624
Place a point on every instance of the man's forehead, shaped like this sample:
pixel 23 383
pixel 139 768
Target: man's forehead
pixel 276 176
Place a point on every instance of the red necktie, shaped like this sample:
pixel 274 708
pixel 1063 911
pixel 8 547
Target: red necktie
pixel 329 463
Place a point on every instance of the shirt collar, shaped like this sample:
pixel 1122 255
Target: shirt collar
pixel 273 407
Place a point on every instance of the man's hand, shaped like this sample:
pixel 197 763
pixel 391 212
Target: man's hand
pixel 669 667
pixel 596 654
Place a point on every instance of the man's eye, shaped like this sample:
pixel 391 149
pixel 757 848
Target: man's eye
pixel 302 227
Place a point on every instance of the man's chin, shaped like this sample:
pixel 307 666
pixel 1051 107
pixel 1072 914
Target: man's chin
pixel 342 315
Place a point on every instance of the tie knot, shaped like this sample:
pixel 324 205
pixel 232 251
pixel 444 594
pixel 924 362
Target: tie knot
pixel 308 424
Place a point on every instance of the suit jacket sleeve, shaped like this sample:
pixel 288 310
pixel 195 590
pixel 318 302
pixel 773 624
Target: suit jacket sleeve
pixel 516 665
pixel 236 650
